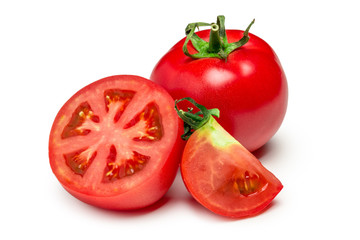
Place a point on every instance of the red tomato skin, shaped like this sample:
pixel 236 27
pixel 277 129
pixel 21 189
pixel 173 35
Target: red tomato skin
pixel 210 159
pixel 249 88
pixel 153 187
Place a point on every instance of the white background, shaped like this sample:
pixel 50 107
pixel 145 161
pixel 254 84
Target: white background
pixel 51 49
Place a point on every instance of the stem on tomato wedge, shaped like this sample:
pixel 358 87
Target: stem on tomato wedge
pixel 194 121
pixel 218 46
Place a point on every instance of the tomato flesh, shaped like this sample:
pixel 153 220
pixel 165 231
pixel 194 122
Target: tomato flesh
pixel 109 145
pixel 224 176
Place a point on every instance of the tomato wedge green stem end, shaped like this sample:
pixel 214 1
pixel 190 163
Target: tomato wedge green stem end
pixel 193 121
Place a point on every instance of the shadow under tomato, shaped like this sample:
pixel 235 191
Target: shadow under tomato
pixel 269 148
pixel 264 150
pixel 135 212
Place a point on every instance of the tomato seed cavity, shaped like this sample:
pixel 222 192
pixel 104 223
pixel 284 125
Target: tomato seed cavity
pixel 151 116
pixel 247 183
pixel 80 160
pixel 81 114
pixel 116 170
pixel 123 97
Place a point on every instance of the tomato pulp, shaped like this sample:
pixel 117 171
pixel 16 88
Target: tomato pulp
pixel 115 144
pixel 249 86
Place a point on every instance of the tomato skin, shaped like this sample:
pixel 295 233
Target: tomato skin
pixel 249 88
pixel 139 189
pixel 213 167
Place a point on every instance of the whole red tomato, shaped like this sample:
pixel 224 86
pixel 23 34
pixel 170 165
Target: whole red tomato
pixel 243 78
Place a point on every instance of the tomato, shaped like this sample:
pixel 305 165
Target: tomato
pixel 115 143
pixel 222 175
pixel 249 85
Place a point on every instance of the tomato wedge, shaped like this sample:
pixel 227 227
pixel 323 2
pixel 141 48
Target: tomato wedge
pixel 220 173
pixel 115 143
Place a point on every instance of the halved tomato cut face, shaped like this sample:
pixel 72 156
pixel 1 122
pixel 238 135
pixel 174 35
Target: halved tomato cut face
pixel 115 143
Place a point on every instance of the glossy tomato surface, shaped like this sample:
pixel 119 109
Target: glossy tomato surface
pixel 115 144
pixel 249 87
pixel 225 177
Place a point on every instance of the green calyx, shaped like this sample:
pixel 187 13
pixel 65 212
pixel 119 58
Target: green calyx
pixel 218 46
pixel 194 121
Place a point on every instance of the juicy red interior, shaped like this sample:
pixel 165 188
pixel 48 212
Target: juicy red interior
pixel 147 127
pixel 80 114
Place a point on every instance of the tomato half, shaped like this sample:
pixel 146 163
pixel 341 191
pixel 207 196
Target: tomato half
pixel 115 144
pixel 249 86
pixel 225 177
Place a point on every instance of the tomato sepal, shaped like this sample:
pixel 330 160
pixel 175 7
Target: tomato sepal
pixel 218 45
pixel 193 121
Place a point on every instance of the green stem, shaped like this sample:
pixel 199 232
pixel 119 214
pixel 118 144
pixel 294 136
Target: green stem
pixel 218 46
pixel 214 40
pixel 191 115
pixel 194 121
pixel 221 23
